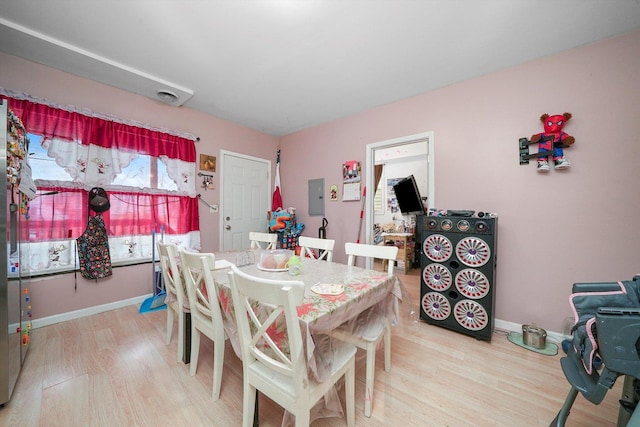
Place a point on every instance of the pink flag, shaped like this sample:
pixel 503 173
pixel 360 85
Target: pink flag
pixel 276 201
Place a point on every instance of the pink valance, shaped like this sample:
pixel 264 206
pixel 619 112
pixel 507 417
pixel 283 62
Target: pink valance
pixel 74 126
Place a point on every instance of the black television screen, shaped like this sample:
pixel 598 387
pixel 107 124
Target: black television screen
pixel 408 196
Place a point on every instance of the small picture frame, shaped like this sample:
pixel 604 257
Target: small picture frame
pixel 333 192
pixel 207 163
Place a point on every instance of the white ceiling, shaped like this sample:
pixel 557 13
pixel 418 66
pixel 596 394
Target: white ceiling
pixel 279 66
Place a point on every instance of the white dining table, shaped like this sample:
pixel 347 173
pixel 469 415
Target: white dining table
pixel 364 293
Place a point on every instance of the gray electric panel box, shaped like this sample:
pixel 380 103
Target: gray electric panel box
pixel 316 197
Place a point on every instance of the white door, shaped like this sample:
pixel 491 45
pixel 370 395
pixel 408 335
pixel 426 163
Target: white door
pixel 246 198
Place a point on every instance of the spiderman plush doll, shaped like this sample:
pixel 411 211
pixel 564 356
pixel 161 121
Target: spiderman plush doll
pixel 552 141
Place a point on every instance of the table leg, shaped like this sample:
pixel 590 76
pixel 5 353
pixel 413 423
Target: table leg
pixel 256 417
pixel 186 354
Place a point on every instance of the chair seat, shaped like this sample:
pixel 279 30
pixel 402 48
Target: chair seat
pixel 341 354
pixel 371 330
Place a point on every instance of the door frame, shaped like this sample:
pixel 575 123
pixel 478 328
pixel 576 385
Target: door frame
pixel 223 154
pixel 426 137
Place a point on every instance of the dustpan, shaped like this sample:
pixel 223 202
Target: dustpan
pixel 154 303
pixel 157 301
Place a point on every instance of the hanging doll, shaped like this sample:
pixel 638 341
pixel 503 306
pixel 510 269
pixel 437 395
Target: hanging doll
pixel 552 141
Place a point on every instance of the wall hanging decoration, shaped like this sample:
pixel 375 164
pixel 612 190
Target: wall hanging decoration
pixel 351 180
pixel 551 143
pixel 207 181
pixel 392 200
pixel 207 163
pixel 333 192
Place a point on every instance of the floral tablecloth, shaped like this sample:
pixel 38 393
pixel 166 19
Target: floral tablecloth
pixel 366 292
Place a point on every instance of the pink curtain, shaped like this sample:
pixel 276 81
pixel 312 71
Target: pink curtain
pixel 55 122
pixel 58 214
pixel 130 214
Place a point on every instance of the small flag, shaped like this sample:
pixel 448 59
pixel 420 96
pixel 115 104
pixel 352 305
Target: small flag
pixel 276 201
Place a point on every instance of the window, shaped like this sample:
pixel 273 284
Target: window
pixel 42 166
pixel 378 199
pixel 148 174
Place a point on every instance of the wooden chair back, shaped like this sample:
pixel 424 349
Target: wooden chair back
pixel 262 240
pixel 324 247
pixel 273 355
pixel 388 253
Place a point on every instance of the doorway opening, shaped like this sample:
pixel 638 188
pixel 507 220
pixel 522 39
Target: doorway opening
pixel 425 143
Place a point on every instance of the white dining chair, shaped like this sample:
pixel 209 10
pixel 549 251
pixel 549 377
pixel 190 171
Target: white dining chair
pixel 262 240
pixel 206 316
pixel 276 365
pixel 373 326
pixel 324 247
pixel 177 304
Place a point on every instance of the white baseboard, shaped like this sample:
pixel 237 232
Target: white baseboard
pixel 51 320
pixel 63 317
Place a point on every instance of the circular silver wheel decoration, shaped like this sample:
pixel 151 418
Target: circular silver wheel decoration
pixel 472 283
pixel 437 248
pixel 473 252
pixel 437 277
pixel 436 306
pixel 470 315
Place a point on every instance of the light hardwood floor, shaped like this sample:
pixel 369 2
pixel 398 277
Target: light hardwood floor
pixel 113 369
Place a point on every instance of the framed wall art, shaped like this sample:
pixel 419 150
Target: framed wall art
pixel 351 180
pixel 207 163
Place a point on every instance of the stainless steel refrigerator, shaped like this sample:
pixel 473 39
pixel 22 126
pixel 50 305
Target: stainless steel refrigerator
pixel 15 295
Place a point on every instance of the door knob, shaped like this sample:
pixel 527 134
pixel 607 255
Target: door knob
pixel 227 227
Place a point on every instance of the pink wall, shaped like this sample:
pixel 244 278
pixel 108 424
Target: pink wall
pixel 56 295
pixel 555 229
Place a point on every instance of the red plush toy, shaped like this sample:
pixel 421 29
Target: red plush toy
pixel 552 141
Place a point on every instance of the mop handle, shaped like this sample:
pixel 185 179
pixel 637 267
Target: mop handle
pixel 153 259
pixel 364 195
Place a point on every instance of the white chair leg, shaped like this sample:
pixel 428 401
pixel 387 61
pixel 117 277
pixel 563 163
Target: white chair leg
pixel 387 347
pixel 350 391
pixel 180 336
pixel 370 368
pixel 195 350
pixel 303 418
pixel 248 404
pixel 169 325
pixel 218 361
